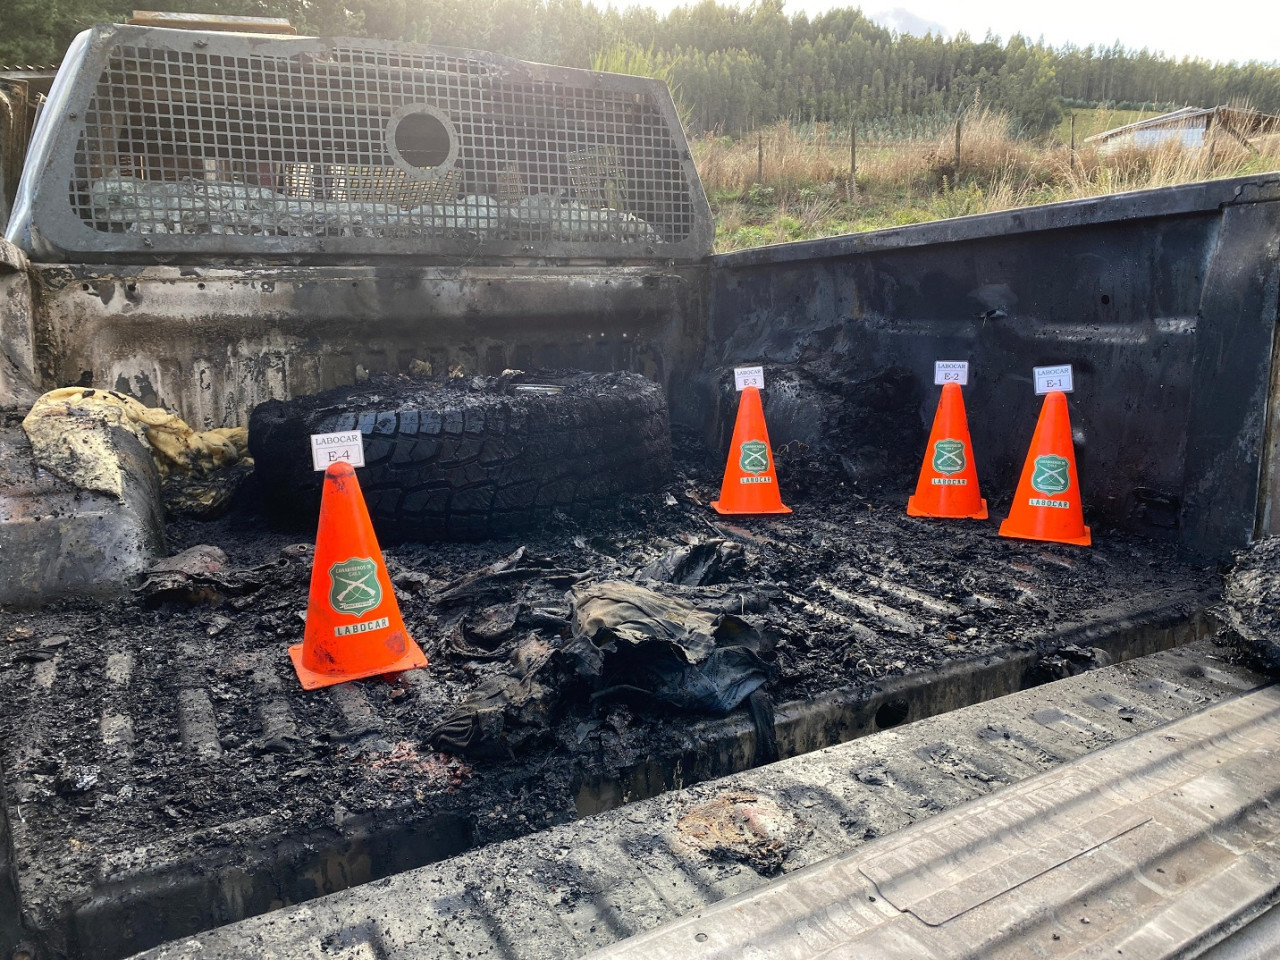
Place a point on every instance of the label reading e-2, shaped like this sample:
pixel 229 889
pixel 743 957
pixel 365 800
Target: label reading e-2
pixel 951 371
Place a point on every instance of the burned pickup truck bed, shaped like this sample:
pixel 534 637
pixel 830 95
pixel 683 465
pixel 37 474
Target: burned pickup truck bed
pixel 163 775
pixel 388 209
pixel 166 773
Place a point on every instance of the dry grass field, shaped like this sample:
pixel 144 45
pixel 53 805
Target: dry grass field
pixel 788 183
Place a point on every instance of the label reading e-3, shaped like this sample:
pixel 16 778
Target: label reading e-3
pixel 744 377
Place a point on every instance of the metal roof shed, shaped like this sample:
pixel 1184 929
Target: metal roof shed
pixel 1192 126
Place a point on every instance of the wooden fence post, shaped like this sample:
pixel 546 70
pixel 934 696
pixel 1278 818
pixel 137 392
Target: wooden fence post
pixel 759 158
pixel 1072 159
pixel 1211 138
pixel 956 174
pixel 853 158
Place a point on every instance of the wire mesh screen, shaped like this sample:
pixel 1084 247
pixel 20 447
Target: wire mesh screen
pixel 370 147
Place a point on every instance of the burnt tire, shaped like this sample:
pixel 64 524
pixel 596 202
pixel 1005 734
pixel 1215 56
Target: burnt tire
pixel 469 460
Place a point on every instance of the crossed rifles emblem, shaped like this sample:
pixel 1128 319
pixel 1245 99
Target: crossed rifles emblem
pixel 948 456
pixel 755 456
pixel 359 583
pixel 354 587
pixel 1051 475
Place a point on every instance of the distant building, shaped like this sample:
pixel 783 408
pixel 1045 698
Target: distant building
pixel 1194 127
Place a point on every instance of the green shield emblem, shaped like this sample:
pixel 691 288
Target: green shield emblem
pixel 948 456
pixel 353 586
pixel 1050 475
pixel 755 456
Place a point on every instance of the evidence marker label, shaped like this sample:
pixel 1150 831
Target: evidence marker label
pixel 951 371
pixel 744 377
pixel 1059 378
pixel 329 448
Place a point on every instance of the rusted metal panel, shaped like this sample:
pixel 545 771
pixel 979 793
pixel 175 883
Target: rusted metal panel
pixel 8 114
pixel 12 143
pixel 212 344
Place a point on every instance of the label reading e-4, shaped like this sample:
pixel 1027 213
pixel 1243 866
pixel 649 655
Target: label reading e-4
pixel 329 448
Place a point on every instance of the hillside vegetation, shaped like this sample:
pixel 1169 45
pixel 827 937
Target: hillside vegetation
pixel 737 70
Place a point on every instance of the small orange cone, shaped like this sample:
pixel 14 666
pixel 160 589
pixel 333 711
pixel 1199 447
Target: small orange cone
pixel 948 485
pixel 1047 505
pixel 750 484
pixel 354 628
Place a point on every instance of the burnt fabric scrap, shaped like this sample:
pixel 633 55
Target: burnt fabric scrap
pixel 507 712
pixel 698 563
pixel 630 642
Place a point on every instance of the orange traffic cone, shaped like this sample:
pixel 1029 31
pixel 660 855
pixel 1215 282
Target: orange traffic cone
pixel 1047 505
pixel 354 628
pixel 750 484
pixel 948 485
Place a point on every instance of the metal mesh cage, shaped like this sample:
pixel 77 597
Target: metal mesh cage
pixel 214 143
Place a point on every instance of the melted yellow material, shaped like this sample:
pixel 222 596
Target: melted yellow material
pixel 69 429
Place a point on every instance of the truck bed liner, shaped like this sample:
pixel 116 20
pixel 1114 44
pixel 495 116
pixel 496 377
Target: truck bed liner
pixel 583 886
pixel 165 774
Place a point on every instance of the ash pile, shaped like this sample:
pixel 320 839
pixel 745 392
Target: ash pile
pixel 1251 603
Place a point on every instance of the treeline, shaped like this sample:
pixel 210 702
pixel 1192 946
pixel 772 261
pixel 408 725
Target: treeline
pixel 734 69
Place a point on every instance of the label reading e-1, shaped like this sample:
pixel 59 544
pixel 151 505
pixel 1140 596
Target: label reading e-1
pixel 951 371
pixel 744 377
pixel 1049 379
pixel 329 448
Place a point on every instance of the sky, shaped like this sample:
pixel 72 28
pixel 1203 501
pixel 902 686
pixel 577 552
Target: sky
pixel 1239 30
